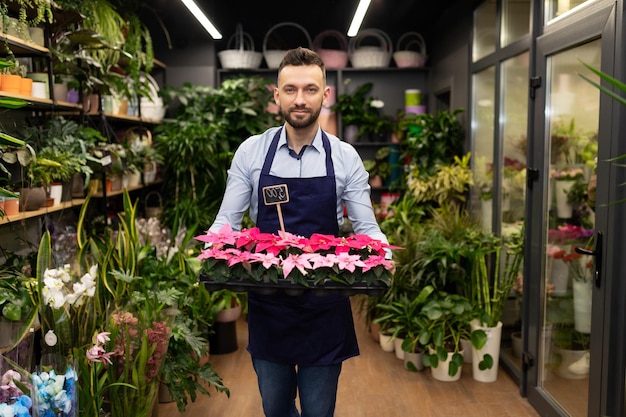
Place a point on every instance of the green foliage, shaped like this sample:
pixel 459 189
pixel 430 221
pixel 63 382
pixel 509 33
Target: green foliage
pixel 208 125
pixel 357 109
pixel 444 320
pixel 449 182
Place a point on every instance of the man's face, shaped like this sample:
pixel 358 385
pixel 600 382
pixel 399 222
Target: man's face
pixel 300 94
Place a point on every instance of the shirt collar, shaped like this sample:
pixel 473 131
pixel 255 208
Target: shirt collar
pixel 317 140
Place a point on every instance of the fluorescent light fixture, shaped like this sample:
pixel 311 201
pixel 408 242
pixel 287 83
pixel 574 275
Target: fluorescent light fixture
pixel 358 17
pixel 201 17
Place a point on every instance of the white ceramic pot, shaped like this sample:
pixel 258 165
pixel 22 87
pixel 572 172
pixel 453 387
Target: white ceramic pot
pixel 413 360
pixel 492 347
pixel 228 314
pixel 440 373
pixel 582 305
pixel 386 343
pixel 397 347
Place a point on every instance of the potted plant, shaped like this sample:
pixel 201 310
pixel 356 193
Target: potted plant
pixel 203 132
pixel 403 318
pixel 378 168
pixel 363 112
pixel 444 320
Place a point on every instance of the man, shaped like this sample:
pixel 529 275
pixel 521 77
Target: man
pixel 298 343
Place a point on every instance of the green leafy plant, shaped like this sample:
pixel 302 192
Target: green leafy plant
pixel 431 140
pixel 403 318
pixel 379 165
pixel 203 133
pixel 444 320
pixel 360 109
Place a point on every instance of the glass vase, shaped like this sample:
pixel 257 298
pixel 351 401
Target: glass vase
pixel 54 387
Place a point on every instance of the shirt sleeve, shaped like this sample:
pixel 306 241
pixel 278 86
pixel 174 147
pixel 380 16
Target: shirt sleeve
pixel 357 197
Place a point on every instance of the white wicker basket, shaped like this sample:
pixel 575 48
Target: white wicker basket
pixel 333 58
pixel 243 56
pixel 366 56
pixel 273 57
pixel 407 58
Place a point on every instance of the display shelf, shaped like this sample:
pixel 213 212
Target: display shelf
pixel 43 103
pixel 131 188
pixel 21 47
pixel 23 215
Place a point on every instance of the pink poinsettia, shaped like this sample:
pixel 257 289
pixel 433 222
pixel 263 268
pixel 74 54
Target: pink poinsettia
pixel 249 253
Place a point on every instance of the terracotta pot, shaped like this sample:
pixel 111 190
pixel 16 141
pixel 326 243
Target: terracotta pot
pixel 228 314
pixel 11 206
pixel 11 83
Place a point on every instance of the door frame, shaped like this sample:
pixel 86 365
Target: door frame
pixel 597 19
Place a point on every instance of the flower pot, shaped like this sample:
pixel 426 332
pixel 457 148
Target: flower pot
pixel 440 372
pixel 56 192
pixel 78 186
pixel 574 364
pixel 32 198
pixel 564 210
pixel 11 206
pixel 386 343
pixel 11 83
pixel 559 277
pixel 374 332
pixel 486 214
pixel 164 394
pixel 60 91
pixel 397 347
pixel 413 360
pixel 582 305
pixel 466 345
pixel 492 347
pixel 228 314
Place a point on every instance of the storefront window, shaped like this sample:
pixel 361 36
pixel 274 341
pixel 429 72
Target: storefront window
pixel 556 8
pixel 515 20
pixel 485 27
pixel 514 126
pixel 483 129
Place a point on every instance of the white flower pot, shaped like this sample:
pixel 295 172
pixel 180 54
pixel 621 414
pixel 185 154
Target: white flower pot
pixel 582 306
pixel 564 210
pixel 486 214
pixel 492 347
pixel 386 343
pixel 397 347
pixel 414 358
pixel 440 373
pixel 559 276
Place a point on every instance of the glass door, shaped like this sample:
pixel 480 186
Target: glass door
pixel 572 118
pixel 565 280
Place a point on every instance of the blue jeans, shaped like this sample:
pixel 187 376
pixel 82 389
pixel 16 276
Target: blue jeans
pixel 279 382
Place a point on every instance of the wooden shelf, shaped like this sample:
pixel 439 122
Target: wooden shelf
pixel 23 215
pixel 42 103
pixel 21 47
pixel 100 194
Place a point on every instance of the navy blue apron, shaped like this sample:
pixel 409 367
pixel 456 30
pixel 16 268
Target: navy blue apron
pixel 306 329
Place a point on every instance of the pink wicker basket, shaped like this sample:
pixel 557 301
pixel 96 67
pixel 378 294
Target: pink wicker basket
pixel 408 58
pixel 333 58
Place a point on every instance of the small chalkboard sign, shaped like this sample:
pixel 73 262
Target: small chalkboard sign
pixel 275 194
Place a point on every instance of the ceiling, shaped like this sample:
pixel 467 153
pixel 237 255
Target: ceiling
pixel 394 17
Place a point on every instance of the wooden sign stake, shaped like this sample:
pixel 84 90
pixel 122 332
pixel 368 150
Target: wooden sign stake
pixel 276 195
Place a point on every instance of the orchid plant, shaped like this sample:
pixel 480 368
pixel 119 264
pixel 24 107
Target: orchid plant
pixel 250 254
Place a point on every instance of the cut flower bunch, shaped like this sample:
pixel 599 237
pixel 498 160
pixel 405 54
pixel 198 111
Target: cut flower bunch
pixel 265 257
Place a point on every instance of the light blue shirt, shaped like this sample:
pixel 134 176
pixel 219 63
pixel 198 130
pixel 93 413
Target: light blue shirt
pixel 351 179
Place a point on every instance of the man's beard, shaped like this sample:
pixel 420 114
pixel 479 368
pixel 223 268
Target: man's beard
pixel 300 123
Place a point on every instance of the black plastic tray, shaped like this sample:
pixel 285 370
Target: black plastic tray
pixel 327 287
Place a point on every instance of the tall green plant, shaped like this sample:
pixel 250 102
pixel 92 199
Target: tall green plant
pixel 207 127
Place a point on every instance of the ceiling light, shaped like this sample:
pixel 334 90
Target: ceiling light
pixel 358 17
pixel 204 21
